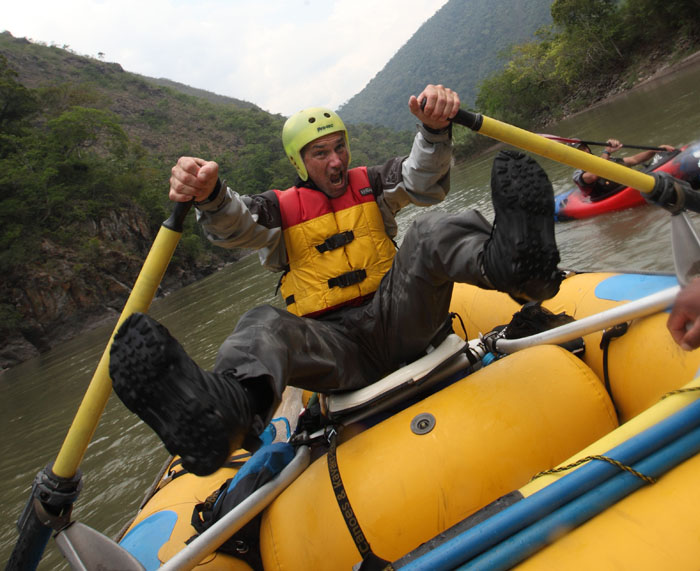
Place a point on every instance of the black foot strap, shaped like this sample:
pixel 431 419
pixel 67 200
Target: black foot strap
pixel 608 335
pixel 370 561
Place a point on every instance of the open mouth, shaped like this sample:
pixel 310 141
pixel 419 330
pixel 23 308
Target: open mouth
pixel 336 178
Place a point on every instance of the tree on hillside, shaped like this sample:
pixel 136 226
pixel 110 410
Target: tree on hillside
pixel 657 22
pixel 524 84
pixel 583 54
pixel 16 101
pixel 56 98
pixel 57 171
pixel 588 39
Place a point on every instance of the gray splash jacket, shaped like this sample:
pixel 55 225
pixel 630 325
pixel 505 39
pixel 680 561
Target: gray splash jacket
pixel 421 178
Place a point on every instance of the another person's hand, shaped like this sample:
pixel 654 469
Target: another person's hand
pixel 193 179
pixel 684 321
pixel 668 148
pixel 612 146
pixel 441 104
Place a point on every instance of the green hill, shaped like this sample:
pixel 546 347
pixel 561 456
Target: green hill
pixel 462 44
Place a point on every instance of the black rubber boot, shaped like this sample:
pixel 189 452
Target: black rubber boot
pixel 521 256
pixel 199 415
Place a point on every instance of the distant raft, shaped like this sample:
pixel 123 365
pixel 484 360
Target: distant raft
pixel 684 164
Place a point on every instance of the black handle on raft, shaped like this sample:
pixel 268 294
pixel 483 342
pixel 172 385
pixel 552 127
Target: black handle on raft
pixel 673 194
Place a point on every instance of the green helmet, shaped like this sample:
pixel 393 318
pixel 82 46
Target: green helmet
pixel 306 126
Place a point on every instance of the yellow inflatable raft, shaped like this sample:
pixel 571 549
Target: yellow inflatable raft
pixel 415 483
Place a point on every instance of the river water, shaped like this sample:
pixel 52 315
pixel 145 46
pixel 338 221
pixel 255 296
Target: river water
pixel 39 398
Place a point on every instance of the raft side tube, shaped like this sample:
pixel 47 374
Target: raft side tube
pixel 492 431
pixel 571 499
pixel 642 365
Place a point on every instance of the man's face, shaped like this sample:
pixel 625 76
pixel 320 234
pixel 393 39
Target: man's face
pixel 326 160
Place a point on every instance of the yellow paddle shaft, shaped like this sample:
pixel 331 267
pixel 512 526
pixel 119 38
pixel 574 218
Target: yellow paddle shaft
pixel 86 419
pixel 564 154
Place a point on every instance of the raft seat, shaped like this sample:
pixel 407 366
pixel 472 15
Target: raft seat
pixel 437 364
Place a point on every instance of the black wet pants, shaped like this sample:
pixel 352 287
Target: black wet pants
pixel 356 346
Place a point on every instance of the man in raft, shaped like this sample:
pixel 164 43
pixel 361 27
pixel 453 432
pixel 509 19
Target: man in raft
pixel 356 308
pixel 598 187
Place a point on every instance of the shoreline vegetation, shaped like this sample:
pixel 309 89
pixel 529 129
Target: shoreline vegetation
pixel 648 72
pixel 84 148
pixel 591 50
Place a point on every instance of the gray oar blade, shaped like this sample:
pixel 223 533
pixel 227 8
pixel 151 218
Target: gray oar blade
pixel 88 550
pixel 686 248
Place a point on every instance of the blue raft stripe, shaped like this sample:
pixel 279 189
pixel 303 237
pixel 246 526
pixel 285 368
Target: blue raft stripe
pixel 630 287
pixel 146 539
pixel 542 533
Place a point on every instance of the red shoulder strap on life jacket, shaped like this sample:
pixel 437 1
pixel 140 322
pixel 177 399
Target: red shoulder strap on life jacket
pixel 298 204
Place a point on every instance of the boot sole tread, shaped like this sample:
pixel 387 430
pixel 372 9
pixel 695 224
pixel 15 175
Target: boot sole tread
pixel 521 186
pixel 178 412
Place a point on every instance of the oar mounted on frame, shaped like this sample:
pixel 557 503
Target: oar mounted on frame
pixel 659 188
pixel 57 486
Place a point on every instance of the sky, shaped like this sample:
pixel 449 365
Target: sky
pixel 282 55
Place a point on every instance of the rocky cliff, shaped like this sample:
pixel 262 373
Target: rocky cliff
pixel 68 290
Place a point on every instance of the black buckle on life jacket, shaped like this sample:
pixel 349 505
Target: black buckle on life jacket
pixel 336 241
pixel 347 279
pixel 279 282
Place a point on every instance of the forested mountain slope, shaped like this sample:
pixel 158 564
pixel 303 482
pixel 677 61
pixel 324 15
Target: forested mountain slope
pixel 462 44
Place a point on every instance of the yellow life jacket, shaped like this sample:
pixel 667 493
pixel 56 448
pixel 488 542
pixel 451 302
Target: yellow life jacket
pixel 337 248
